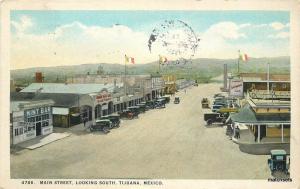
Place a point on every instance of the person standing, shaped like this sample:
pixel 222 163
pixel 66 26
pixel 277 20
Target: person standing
pixel 84 121
pixel 237 132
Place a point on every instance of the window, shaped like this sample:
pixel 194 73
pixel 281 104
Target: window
pixel 16 132
pixel 38 118
pixel 45 123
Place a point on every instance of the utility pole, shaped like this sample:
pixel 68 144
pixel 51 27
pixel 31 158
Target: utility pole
pixel 268 78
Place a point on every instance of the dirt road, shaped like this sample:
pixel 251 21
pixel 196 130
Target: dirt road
pixel 169 143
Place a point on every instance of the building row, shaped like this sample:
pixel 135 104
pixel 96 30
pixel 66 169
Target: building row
pixel 40 106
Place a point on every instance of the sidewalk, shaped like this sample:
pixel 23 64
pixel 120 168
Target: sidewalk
pixel 42 140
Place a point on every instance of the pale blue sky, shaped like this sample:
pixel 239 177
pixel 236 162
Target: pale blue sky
pixel 250 31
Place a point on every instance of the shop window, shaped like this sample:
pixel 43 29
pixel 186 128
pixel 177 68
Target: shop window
pixel 45 123
pixel 38 118
pixel 286 126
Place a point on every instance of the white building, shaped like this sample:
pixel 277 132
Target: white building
pixel 30 119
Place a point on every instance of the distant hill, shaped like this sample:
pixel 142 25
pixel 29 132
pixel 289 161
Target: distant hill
pixel 201 69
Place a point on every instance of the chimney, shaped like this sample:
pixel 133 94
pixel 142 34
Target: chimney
pixel 39 77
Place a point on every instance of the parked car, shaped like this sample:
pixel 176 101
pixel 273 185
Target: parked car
pixel 278 161
pixel 115 120
pixel 211 118
pixel 135 110
pixel 216 107
pixel 127 114
pixel 101 125
pixel 166 98
pixel 160 103
pixel 150 104
pixel 176 100
pixel 142 107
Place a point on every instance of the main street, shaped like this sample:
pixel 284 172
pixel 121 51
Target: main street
pixel 169 143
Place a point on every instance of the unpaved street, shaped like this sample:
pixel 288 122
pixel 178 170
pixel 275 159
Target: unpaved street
pixel 170 143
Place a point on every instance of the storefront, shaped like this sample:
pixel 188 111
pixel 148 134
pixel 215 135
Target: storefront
pixel 30 119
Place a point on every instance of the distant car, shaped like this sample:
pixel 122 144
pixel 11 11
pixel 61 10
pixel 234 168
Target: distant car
pixel 176 100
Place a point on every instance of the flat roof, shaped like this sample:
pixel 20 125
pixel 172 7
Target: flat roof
pixel 71 88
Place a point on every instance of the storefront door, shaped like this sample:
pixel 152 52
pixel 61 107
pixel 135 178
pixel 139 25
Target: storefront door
pixel 38 127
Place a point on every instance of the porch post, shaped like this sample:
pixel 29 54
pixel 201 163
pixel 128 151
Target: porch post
pixel 258 133
pixel 250 131
pixel 281 132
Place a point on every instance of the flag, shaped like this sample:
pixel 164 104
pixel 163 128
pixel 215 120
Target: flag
pixel 162 59
pixel 129 59
pixel 243 57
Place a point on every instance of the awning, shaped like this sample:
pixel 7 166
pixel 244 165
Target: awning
pixel 247 115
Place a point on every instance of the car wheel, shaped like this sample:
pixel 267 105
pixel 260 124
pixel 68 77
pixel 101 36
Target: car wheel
pixel 209 122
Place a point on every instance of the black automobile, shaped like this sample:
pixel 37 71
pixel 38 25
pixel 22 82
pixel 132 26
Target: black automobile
pixel 101 125
pixel 135 110
pixel 160 103
pixel 127 114
pixel 150 104
pixel 278 161
pixel 142 107
pixel 176 100
pixel 165 98
pixel 115 120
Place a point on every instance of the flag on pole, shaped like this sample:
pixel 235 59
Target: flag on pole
pixel 129 59
pixel 244 57
pixel 162 59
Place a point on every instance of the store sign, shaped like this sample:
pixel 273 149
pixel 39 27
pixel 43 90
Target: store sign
pixel 236 87
pixel 103 97
pixel 37 111
pixel 60 111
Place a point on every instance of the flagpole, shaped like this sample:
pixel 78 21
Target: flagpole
pixel 238 63
pixel 158 63
pixel 125 79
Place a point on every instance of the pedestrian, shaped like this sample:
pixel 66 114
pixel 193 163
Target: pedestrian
pixel 255 135
pixel 84 121
pixel 237 132
pixel 185 91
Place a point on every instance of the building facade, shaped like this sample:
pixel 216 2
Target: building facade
pixel 30 119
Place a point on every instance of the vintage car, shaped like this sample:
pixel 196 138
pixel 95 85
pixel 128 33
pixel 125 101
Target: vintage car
pixel 115 120
pixel 150 104
pixel 166 98
pixel 278 161
pixel 142 107
pixel 205 103
pixel 136 110
pixel 211 118
pixel 216 107
pixel 128 114
pixel 160 103
pixel 176 100
pixel 101 125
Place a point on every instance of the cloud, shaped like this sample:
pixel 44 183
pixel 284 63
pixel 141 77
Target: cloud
pixel 226 30
pixel 24 24
pixel 280 35
pixel 278 25
pixel 76 43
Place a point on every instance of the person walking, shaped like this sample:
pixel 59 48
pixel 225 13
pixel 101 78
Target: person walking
pixel 84 121
pixel 237 132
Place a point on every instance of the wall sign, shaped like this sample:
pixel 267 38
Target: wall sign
pixel 236 87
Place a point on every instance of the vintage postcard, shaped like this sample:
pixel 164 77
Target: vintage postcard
pixel 162 94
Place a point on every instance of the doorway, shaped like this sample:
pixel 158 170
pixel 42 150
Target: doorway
pixel 38 127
